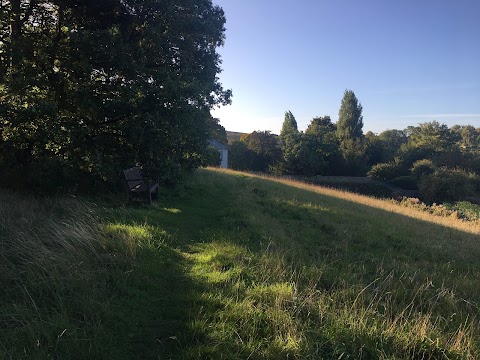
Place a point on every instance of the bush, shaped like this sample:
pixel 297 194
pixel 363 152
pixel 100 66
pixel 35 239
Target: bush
pixel 405 183
pixel 466 210
pixel 421 168
pixel 212 157
pixel 446 185
pixel 387 171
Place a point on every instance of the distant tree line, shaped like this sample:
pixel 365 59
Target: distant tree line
pixel 88 88
pixel 442 162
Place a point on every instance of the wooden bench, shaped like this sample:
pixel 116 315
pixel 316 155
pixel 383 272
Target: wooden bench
pixel 139 186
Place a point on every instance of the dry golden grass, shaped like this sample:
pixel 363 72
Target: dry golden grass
pixel 450 222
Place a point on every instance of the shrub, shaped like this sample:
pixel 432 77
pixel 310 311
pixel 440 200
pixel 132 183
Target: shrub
pixel 466 210
pixel 212 157
pixel 387 171
pixel 421 168
pixel 405 183
pixel 446 185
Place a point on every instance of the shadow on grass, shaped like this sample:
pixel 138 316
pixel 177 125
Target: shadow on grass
pixel 191 296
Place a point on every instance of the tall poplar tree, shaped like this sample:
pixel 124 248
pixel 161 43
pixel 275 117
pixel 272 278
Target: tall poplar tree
pixel 350 118
pixel 289 142
pixel 289 126
pixel 350 134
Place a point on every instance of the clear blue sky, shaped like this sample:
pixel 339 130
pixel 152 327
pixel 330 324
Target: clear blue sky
pixel 408 61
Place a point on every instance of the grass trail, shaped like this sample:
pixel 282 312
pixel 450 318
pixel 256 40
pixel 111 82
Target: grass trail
pixel 235 266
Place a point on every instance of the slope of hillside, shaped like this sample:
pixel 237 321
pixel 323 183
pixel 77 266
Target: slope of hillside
pixel 234 266
pixel 234 136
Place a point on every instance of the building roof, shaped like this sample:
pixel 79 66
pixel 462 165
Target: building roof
pixel 217 144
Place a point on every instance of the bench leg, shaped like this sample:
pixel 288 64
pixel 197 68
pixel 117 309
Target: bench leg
pixel 149 198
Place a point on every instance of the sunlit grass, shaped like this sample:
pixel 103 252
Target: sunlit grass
pixel 236 266
pixel 469 226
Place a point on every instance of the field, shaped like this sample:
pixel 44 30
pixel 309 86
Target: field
pixel 235 266
pixel 234 136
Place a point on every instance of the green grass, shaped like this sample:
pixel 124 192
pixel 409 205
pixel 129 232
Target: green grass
pixel 466 210
pixel 232 266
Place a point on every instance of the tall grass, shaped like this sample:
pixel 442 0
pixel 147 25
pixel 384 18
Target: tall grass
pixel 322 273
pixel 48 251
pixel 236 266
pixel 384 204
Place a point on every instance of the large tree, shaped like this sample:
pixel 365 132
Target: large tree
pixel 350 118
pixel 289 126
pixel 320 135
pixel 289 140
pixel 96 86
pixel 350 133
pixel 263 150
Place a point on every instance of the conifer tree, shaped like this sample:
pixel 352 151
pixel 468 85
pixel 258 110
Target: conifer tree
pixel 350 119
pixel 289 126
pixel 350 134
pixel 289 140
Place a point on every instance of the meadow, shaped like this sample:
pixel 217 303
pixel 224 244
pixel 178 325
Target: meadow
pixel 231 265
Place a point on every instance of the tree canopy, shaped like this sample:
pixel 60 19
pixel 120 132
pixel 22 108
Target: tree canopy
pixel 92 87
pixel 350 118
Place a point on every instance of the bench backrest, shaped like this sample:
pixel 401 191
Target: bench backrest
pixel 133 177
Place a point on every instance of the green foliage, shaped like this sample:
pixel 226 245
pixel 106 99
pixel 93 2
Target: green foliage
pixel 314 152
pixel 354 157
pixel 431 135
pixel 264 150
pixel 324 145
pixel 350 119
pixel 217 131
pixel 421 168
pixel 384 147
pixel 257 151
pixel 446 185
pixel 105 85
pixel 408 154
pixel 212 157
pixel 289 126
pixel 239 156
pixel 465 210
pixel 405 183
pixel 289 144
pixel 321 126
pixel 392 141
pixel 350 134
pixel 310 154
pixel 469 137
pixel 374 149
pixel 387 171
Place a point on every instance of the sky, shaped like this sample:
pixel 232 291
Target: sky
pixel 408 61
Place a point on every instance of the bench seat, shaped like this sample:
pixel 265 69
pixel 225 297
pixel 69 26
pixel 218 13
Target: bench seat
pixel 138 186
